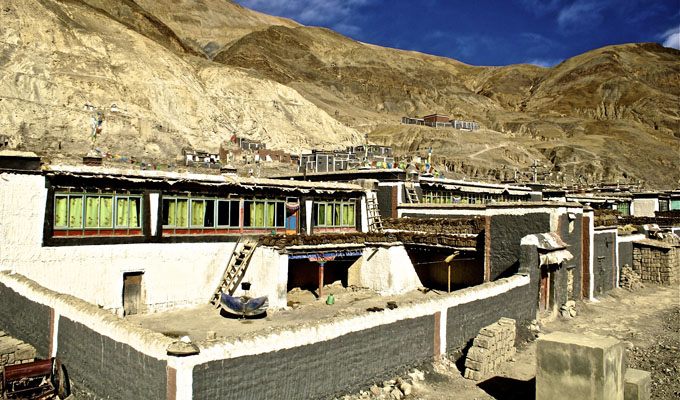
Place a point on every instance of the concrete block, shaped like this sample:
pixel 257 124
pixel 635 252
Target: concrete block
pixel 579 367
pixel 478 354
pixel 637 384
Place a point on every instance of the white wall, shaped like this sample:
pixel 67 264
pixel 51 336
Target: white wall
pixel 175 274
pixel 645 207
pixel 385 270
pixel 268 274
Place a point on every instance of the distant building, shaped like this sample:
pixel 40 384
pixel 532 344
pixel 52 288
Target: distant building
pixel 436 120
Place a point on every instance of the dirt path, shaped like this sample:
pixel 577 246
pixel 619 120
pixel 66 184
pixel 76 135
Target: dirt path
pixel 647 320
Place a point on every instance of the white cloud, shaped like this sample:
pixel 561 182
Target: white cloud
pixel 581 14
pixel 545 63
pixel 671 38
pixel 309 12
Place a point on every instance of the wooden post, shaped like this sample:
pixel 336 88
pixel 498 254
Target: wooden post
pixel 321 263
pixel 448 290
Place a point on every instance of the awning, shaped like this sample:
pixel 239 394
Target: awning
pixel 555 257
pixel 551 248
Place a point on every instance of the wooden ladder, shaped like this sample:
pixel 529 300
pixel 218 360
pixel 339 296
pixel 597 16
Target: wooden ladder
pixel 411 195
pixel 235 270
pixel 374 221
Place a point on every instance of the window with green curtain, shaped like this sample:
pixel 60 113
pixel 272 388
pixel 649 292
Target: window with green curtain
pixel 271 213
pixel 345 214
pixel 350 215
pixel 61 211
pixel 134 212
pixel 336 220
pixel 75 212
pixel 329 214
pixel 322 215
pixel 106 212
pixel 91 211
pixel 170 206
pixel 122 211
pixel 182 213
pixel 197 212
pixel 259 213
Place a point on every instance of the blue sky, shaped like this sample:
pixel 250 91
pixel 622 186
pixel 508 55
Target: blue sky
pixel 484 32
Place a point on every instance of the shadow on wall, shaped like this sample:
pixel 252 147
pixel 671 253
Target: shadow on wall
pixel 502 388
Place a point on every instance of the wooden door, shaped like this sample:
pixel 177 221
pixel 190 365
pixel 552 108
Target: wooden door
pixel 132 293
pixel 543 289
pixel 292 209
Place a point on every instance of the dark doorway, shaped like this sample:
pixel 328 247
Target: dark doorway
pixel 304 274
pixel 132 293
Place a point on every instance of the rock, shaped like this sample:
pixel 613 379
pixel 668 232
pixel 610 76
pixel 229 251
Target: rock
pixel 570 304
pixel 375 390
pixel 406 388
pixel 396 394
pixel 572 312
pixel 211 335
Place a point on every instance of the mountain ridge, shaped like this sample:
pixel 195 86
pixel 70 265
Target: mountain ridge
pixel 190 72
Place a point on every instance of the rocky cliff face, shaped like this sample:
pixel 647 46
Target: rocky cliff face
pixel 188 72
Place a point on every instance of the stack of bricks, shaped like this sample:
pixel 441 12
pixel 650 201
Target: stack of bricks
pixel 657 264
pixel 494 345
pixel 13 351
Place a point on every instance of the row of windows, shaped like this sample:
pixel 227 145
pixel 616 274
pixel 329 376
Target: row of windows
pixel 444 197
pixel 108 212
pixel 335 214
pixel 184 212
pixel 83 214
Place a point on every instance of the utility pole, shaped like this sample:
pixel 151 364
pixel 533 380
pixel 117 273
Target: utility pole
pixel 535 167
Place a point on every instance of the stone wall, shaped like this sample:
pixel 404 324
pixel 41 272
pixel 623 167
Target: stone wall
pixel 656 263
pixel 13 351
pixel 506 232
pixel 25 320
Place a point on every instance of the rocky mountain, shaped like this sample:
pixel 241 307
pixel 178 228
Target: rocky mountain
pixel 189 72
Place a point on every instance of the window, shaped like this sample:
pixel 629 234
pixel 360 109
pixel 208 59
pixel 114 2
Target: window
pixel 94 214
pixel 264 213
pixel 623 208
pixel 335 214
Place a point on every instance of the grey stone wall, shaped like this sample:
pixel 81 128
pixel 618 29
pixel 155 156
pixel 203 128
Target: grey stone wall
pixel 320 370
pixel 385 201
pixel 464 321
pixel 625 253
pixel 604 262
pixel 25 320
pixel 506 232
pixel 106 368
pixel 571 233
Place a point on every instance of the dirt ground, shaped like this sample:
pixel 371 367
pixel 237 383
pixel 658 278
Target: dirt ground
pixel 304 308
pixel 647 320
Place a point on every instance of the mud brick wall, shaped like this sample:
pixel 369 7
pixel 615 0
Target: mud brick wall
pixel 107 368
pixel 571 233
pixel 464 321
pixel 506 232
pixel 604 262
pixel 494 345
pixel 25 320
pixel 320 370
pixel 657 265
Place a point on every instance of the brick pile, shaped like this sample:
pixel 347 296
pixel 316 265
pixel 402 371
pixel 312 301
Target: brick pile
pixel 494 345
pixel 13 351
pixel 456 240
pixel 630 279
pixel 657 263
pixel 472 226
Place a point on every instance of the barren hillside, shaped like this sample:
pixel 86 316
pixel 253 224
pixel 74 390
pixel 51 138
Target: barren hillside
pixel 188 72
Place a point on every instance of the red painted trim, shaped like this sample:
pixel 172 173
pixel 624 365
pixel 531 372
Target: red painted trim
pixel 172 383
pixel 135 232
pixel 181 231
pixel 107 232
pixel 487 249
pixel 437 338
pixel 60 233
pixel 52 332
pixel 91 233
